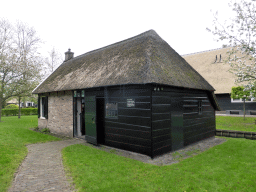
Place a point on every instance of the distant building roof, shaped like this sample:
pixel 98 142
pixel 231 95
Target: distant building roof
pixel 145 58
pixel 210 64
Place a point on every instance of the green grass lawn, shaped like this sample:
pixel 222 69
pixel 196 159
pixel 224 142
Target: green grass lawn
pixel 230 166
pixel 236 123
pixel 14 135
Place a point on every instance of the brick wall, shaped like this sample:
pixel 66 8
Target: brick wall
pixel 60 114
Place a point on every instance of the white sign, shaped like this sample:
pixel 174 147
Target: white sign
pixel 130 102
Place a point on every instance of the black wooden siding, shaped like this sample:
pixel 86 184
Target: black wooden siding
pixel 161 121
pixel 132 129
pixel 197 127
pixel 224 101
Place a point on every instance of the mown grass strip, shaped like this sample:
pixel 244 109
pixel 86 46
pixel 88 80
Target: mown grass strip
pixel 236 123
pixel 14 135
pixel 230 166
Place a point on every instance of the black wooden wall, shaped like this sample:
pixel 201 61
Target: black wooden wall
pixel 197 126
pixel 167 120
pixel 161 123
pixel 132 129
pixel 163 118
pixel 225 103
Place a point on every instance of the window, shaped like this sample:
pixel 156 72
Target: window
pixel 29 104
pixel 200 107
pixel 111 110
pixel 43 107
pixel 241 100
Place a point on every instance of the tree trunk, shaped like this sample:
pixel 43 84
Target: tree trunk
pixel 244 109
pixel 19 108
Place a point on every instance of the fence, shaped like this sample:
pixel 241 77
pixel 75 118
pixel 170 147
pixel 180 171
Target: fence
pixel 236 134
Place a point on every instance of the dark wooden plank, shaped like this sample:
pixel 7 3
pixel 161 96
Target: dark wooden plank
pixel 161 100
pixel 126 139
pixel 161 116
pixel 161 108
pixel 198 131
pixel 134 112
pixel 159 132
pixel 129 132
pixel 129 147
pixel 161 138
pixel 195 138
pixel 198 121
pixel 161 124
pixel 161 151
pixel 135 120
pixel 161 144
pixel 112 124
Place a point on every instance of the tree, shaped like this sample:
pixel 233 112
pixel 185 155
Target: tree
pixel 239 93
pixel 239 33
pixel 20 62
pixel 52 61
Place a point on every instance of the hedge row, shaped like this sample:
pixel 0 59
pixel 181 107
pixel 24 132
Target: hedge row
pixel 24 111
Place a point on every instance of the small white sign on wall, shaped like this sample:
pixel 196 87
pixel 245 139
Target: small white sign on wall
pixel 130 102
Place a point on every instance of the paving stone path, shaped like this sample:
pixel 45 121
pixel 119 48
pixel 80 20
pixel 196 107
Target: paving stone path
pixel 42 169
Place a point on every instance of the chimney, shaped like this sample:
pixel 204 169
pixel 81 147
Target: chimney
pixel 68 55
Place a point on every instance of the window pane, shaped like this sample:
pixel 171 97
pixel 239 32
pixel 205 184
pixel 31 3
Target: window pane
pixel 111 110
pixel 42 106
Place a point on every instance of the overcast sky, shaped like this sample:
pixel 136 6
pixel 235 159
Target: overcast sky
pixel 85 25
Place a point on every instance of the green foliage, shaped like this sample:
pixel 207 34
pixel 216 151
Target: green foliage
pixel 14 136
pixel 10 112
pixel 45 130
pixel 238 93
pixel 12 106
pixel 15 112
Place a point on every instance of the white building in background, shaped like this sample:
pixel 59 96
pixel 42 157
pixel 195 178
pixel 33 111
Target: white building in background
pixel 26 104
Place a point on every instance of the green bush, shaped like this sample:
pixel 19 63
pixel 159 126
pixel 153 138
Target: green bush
pixel 15 112
pixel 10 112
pixel 12 106
pixel 45 130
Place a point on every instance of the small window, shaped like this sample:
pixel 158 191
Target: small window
pixel 111 110
pixel 200 107
pixel 43 107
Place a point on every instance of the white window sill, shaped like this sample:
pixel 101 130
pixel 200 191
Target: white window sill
pixel 242 101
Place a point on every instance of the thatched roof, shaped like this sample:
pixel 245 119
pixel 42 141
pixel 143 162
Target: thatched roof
pixel 216 73
pixel 142 59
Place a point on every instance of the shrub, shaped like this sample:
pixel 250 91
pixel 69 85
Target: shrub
pixel 15 112
pixel 12 106
pixel 10 112
pixel 45 130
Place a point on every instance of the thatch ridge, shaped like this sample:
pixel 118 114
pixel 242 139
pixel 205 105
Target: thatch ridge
pixel 145 58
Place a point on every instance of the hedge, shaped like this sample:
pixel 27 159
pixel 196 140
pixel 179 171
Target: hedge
pixel 24 111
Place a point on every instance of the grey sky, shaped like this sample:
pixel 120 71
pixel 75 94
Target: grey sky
pixel 87 25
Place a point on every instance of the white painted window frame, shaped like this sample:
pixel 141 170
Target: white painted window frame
pixel 41 107
pixel 241 101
